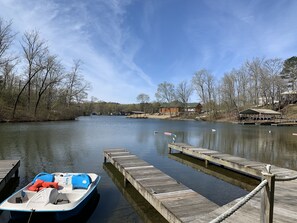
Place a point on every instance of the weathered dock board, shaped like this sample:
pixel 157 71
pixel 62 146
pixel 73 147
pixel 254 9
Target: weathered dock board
pixel 174 201
pixel 285 196
pixel 8 168
pixel 238 164
pixel 285 207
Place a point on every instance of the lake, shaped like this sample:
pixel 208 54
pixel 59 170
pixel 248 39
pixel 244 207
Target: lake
pixel 77 146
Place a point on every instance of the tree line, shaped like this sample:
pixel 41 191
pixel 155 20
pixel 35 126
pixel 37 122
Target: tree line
pixel 34 84
pixel 260 82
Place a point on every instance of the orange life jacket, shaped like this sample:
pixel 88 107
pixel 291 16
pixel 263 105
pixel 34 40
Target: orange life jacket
pixel 40 184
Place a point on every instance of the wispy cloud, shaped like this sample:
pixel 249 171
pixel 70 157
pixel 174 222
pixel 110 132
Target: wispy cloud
pixel 234 31
pixel 91 31
pixel 130 46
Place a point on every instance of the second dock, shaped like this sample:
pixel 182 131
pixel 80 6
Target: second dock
pixel 173 200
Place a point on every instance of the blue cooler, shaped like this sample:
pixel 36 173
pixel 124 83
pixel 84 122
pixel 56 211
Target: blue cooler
pixel 81 181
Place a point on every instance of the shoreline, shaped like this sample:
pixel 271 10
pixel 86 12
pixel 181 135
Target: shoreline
pixel 170 117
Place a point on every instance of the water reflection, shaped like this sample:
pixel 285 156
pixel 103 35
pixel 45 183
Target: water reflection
pixel 268 144
pixel 244 182
pixel 77 146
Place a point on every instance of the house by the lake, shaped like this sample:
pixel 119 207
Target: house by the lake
pixel 178 108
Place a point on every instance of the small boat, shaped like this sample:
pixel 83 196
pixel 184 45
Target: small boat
pixel 63 195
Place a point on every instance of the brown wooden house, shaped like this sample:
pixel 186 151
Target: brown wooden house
pixel 177 108
pixel 193 108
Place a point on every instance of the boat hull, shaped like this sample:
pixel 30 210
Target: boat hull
pixel 81 211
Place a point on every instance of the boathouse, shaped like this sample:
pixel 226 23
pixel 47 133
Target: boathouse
pixel 254 114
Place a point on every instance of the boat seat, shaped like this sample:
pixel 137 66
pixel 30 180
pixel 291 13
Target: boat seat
pixel 43 197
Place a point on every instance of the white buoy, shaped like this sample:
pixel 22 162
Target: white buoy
pixel 269 131
pixel 213 130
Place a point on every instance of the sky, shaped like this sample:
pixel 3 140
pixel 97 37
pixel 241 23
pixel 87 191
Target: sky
pixel 129 47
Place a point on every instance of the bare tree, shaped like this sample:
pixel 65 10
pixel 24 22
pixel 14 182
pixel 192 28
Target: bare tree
pixel 273 68
pixel 254 69
pixel 75 87
pixel 143 99
pixel 34 51
pixel 199 82
pixel 184 92
pixel 228 91
pixel 204 84
pixel 243 80
pixel 165 92
pixel 7 62
pixel 51 75
pixel 6 38
pixel 8 76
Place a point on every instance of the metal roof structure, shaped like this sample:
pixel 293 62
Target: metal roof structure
pixel 137 112
pixel 261 111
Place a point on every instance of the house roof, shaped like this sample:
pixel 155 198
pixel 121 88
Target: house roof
pixel 193 105
pixel 253 111
pixel 137 112
pixel 177 104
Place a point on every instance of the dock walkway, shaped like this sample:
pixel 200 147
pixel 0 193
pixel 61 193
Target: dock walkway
pixel 242 165
pixel 8 168
pixel 174 201
pixel 177 203
pixel 285 196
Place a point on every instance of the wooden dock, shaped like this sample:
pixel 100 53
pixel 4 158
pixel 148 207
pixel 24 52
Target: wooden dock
pixel 144 209
pixel 285 196
pixel 234 163
pixel 174 201
pixel 8 169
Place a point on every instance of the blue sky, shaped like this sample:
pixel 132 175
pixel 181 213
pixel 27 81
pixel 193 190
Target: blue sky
pixel 128 47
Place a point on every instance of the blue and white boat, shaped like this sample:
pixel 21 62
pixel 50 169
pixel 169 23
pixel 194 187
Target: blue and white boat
pixel 63 195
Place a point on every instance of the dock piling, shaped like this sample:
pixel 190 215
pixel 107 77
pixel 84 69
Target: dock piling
pixel 267 198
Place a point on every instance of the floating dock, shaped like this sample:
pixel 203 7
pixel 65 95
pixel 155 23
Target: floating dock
pixel 174 201
pixel 8 169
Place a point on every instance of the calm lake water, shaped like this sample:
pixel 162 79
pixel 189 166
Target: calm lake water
pixel 77 146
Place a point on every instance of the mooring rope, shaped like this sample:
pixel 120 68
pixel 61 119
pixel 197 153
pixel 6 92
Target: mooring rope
pixel 30 216
pixel 238 205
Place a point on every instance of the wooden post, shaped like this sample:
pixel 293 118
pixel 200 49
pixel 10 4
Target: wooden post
pixel 206 163
pixel 169 150
pixel 267 198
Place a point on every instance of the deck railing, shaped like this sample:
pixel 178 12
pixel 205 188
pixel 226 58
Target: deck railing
pixel 267 197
